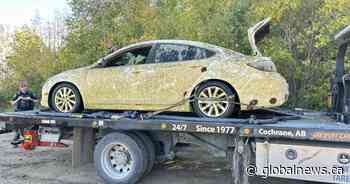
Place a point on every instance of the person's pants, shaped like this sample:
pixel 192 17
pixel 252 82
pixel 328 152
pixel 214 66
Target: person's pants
pixel 18 134
pixel 19 131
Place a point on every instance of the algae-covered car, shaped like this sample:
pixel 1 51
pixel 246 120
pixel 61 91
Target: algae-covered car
pixel 157 74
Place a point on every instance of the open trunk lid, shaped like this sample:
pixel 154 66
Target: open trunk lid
pixel 343 37
pixel 257 33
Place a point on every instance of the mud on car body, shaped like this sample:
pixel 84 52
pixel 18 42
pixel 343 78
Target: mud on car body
pixel 156 74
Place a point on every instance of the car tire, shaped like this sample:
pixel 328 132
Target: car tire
pixel 57 99
pixel 108 170
pixel 215 89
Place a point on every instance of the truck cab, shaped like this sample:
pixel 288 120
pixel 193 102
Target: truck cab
pixel 340 85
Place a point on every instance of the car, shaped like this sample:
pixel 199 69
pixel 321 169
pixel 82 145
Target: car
pixel 208 80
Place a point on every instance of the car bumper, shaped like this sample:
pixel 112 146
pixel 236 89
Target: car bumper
pixel 45 96
pixel 269 91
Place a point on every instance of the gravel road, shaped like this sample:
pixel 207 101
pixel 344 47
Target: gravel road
pixel 53 166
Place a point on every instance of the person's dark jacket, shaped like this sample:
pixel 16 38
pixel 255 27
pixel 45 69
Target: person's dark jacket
pixel 24 105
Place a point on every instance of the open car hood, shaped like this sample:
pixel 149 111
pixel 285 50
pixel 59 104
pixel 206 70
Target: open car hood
pixel 257 33
pixel 343 37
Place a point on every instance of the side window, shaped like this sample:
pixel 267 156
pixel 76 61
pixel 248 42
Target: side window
pixel 195 53
pixel 170 53
pixel 176 52
pixel 131 57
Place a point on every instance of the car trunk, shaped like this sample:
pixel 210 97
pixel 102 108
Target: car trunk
pixel 257 33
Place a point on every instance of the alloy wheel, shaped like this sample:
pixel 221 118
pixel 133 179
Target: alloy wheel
pixel 65 99
pixel 213 101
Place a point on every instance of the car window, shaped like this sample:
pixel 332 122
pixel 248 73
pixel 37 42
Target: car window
pixel 177 52
pixel 131 57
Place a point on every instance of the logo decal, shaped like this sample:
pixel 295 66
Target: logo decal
pixel 344 158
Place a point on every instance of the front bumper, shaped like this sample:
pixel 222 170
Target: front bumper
pixel 45 96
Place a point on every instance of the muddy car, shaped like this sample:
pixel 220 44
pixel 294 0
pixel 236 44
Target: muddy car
pixel 156 74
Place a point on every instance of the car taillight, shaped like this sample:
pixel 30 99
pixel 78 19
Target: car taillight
pixel 264 65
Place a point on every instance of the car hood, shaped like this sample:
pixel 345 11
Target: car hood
pixel 257 33
pixel 343 37
pixel 73 71
pixel 68 75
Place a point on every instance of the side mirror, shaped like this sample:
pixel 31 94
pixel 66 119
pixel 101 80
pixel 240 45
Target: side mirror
pixel 101 63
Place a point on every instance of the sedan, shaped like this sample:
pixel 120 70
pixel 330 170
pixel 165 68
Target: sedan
pixel 208 80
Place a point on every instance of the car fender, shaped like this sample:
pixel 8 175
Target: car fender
pixel 221 72
pixel 75 77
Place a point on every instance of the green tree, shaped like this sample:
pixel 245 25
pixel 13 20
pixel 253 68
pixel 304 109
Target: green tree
pixel 301 40
pixel 302 44
pixel 29 60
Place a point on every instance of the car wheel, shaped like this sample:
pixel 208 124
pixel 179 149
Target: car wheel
pixel 66 98
pixel 215 100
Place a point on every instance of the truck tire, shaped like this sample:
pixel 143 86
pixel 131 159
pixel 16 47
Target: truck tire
pixel 150 147
pixel 144 150
pixel 120 158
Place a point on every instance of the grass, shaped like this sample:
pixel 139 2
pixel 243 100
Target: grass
pixel 6 109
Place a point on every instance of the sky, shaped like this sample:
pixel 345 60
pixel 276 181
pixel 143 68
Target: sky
pixel 20 12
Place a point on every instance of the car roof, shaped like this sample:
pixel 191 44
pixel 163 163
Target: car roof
pixel 185 42
pixel 214 48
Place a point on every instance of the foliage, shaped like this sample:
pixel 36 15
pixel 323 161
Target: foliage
pixel 300 42
pixel 30 60
pixel 303 46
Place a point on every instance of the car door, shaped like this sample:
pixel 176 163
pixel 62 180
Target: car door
pixel 119 82
pixel 177 67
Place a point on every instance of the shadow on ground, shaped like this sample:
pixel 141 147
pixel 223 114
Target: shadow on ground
pixel 53 166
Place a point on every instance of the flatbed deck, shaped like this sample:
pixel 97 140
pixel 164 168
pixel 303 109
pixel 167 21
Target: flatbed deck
pixel 308 127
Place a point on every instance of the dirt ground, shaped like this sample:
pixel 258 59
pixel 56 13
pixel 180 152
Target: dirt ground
pixel 53 166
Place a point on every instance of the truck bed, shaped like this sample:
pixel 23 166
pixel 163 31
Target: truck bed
pixel 286 125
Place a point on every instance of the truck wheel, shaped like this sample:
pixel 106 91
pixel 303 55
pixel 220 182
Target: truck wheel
pixel 144 150
pixel 150 147
pixel 120 159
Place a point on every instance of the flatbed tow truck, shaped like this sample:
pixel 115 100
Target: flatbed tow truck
pixel 300 145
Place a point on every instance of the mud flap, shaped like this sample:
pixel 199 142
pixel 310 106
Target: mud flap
pixel 3 128
pixel 242 158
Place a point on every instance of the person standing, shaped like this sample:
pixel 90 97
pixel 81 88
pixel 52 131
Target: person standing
pixel 23 100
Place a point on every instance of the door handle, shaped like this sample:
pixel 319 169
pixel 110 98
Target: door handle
pixel 136 72
pixel 195 66
pixel 203 68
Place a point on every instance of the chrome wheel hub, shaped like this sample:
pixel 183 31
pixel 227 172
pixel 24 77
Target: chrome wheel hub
pixel 213 101
pixel 117 161
pixel 65 99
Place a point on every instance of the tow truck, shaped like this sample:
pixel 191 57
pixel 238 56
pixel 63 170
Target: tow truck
pixel 301 145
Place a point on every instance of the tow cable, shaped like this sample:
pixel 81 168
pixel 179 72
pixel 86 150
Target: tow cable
pixel 251 120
